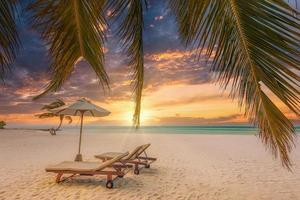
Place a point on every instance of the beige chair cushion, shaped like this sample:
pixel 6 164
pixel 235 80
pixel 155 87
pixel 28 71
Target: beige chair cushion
pixel 74 166
pixel 108 155
pixel 84 166
pixel 131 156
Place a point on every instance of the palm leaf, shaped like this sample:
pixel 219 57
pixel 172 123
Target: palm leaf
pixel 255 47
pixel 74 30
pixel 56 104
pixel 131 34
pixel 45 115
pixel 69 118
pixel 9 40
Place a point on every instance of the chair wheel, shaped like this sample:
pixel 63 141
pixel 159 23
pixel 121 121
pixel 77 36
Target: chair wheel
pixel 147 166
pixel 120 176
pixel 136 171
pixel 109 184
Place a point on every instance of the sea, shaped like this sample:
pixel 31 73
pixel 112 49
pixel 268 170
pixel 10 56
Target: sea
pixel 209 129
pixel 218 130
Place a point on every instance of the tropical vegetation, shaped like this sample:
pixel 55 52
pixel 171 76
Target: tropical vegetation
pixel 55 104
pixel 2 124
pixel 254 46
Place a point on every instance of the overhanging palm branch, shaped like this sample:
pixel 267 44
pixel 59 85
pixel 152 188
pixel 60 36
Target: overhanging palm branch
pixel 131 33
pixel 9 40
pixel 255 45
pixel 74 30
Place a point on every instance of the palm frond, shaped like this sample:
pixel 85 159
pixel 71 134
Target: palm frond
pixel 69 118
pixel 9 40
pixel 55 104
pixel 255 45
pixel 131 34
pixel 74 30
pixel 46 115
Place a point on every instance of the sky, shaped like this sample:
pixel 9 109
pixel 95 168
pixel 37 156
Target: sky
pixel 178 89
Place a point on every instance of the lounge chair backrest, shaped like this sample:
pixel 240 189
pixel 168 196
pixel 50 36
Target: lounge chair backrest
pixel 132 154
pixel 141 150
pixel 111 161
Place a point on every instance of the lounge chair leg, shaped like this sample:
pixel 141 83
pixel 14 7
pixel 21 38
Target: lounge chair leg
pixel 119 171
pixel 109 182
pixel 136 169
pixel 121 175
pixel 58 177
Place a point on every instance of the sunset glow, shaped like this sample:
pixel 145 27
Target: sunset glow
pixel 179 88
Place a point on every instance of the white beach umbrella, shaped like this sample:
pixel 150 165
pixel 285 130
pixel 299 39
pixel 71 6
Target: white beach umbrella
pixel 80 108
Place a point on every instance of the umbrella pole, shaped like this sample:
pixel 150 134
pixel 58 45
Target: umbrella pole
pixel 79 156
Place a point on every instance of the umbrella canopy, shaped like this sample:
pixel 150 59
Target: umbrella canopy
pixel 80 105
pixel 80 108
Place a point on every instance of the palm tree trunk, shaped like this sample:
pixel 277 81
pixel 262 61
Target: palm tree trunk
pixel 61 117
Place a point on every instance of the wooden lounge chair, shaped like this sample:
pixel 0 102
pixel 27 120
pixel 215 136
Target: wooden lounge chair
pixel 133 158
pixel 110 168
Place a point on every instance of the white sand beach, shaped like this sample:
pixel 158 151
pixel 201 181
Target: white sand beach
pixel 188 167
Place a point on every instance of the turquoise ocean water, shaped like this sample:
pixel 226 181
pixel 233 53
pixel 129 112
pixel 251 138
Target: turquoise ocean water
pixel 230 130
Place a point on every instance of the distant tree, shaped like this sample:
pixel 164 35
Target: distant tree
pixel 2 124
pixel 56 104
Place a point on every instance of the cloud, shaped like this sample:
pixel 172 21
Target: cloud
pixel 173 68
pixel 177 120
pixel 167 63
pixel 184 101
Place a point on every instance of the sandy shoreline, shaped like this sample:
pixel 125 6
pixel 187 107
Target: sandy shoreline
pixel 189 167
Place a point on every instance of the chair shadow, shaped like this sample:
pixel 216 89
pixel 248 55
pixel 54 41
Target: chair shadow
pixel 125 182
pixel 148 171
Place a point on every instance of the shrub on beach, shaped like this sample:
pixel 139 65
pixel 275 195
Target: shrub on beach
pixel 2 124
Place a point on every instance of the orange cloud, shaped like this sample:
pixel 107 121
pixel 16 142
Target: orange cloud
pixel 169 55
pixel 177 90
